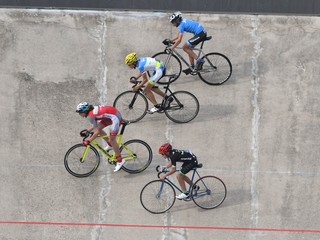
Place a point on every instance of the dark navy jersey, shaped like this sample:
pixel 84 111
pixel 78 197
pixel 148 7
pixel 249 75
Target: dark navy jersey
pixel 176 155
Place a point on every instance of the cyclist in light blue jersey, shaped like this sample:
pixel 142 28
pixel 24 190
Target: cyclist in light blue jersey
pixel 186 25
pixel 145 65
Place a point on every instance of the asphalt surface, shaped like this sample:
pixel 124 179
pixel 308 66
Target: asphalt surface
pixel 258 132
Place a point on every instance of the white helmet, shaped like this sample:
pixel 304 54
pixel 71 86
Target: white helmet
pixel 82 107
pixel 175 16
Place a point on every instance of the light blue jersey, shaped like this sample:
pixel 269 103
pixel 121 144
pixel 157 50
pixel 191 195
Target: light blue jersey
pixel 190 26
pixel 155 68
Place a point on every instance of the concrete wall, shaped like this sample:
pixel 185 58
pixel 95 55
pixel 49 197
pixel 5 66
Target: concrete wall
pixel 295 7
pixel 259 132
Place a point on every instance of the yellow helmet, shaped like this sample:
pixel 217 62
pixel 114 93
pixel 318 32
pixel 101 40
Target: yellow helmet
pixel 131 58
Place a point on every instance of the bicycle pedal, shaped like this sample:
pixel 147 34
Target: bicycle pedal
pixel 112 162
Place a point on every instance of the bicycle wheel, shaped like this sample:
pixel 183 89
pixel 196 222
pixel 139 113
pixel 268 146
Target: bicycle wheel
pixel 79 167
pixel 216 69
pixel 157 196
pixel 138 155
pixel 172 64
pixel 132 105
pixel 211 194
pixel 184 107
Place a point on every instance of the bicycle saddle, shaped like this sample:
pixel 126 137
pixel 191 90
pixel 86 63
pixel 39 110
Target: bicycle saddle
pixel 199 165
pixel 125 122
pixel 207 38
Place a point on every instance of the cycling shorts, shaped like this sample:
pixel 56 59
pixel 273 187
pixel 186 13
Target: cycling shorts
pixel 196 39
pixel 114 123
pixel 156 75
pixel 188 166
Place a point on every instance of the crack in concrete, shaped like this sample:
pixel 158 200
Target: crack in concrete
pixel 255 124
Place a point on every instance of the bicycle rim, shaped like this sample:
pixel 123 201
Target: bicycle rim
pixel 132 105
pixel 172 65
pixel 157 196
pixel 211 194
pixel 216 69
pixel 79 167
pixel 184 108
pixel 138 155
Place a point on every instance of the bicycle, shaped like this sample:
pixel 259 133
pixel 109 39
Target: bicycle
pixel 216 69
pixel 82 161
pixel 158 196
pixel 180 106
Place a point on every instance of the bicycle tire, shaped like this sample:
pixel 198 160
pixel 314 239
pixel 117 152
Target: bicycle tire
pixel 172 64
pixel 184 108
pixel 156 199
pixel 142 155
pixel 217 74
pixel 211 194
pixel 78 168
pixel 133 106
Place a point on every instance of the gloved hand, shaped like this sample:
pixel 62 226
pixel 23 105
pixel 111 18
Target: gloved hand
pixel 166 41
pixel 84 133
pixel 85 142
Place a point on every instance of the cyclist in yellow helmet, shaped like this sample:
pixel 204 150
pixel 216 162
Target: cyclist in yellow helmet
pixel 145 65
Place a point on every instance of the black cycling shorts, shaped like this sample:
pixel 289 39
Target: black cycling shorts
pixel 197 39
pixel 188 166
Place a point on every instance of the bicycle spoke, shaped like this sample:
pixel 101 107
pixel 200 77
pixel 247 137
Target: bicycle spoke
pixel 183 108
pixel 216 69
pixel 138 155
pixel 157 196
pixel 211 194
pixel 81 161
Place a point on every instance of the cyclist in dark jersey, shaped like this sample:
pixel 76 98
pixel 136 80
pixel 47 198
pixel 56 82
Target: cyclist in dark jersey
pixel 187 25
pixel 189 161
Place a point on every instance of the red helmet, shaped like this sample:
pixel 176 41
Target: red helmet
pixel 164 148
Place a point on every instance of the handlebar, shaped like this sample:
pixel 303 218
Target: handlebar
pixel 168 42
pixel 85 134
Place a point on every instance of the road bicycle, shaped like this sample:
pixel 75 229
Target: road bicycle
pixel 179 106
pixel 215 70
pixel 158 196
pixel 82 161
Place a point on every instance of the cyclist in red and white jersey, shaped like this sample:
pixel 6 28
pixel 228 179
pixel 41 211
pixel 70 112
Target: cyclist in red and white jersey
pixel 101 117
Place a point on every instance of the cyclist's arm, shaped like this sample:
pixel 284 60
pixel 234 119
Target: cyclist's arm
pixel 172 170
pixel 177 39
pixel 144 81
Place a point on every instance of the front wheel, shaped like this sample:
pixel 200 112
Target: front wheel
pixel 137 154
pixel 216 69
pixel 133 106
pixel 211 194
pixel 81 161
pixel 172 65
pixel 157 196
pixel 183 108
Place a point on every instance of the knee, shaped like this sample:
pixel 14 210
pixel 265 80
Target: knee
pixel 186 47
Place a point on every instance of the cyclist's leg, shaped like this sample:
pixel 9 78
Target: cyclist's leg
pixel 191 43
pixel 114 124
pixel 182 177
pixel 159 73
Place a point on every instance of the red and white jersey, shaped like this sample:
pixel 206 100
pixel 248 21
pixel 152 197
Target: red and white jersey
pixel 103 113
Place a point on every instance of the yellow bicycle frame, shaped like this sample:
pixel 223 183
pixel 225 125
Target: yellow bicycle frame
pixel 129 155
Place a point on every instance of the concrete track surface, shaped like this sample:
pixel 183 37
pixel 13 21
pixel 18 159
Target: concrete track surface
pixel 259 132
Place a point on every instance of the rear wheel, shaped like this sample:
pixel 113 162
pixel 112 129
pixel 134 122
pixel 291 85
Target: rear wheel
pixel 211 194
pixel 80 164
pixel 184 107
pixel 132 105
pixel 138 155
pixel 216 69
pixel 157 196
